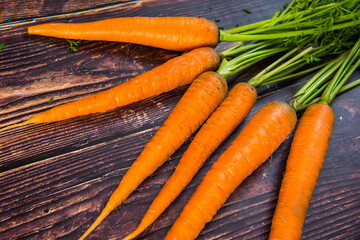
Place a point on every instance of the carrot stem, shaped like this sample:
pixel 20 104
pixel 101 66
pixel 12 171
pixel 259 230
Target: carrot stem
pixel 349 86
pixel 276 78
pixel 315 83
pixel 227 37
pixel 241 62
pixel 256 81
pixel 341 76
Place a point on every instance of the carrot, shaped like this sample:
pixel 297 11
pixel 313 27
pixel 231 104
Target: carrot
pixel 183 33
pixel 310 143
pixel 306 157
pixel 198 102
pixel 178 71
pixel 215 130
pixel 268 128
pixel 172 33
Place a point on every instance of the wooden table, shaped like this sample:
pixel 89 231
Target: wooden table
pixel 56 177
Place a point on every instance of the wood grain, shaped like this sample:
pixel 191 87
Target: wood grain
pixel 22 10
pixel 55 178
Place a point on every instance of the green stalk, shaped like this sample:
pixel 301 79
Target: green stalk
pixel 239 48
pixel 283 17
pixel 288 54
pixel 294 24
pixel 308 91
pixel 227 37
pixel 345 88
pixel 315 93
pixel 230 68
pixel 342 74
pixel 349 86
pixel 277 78
pixel 325 72
pixel 257 81
pixel 318 80
pixel 291 28
pixel 245 46
pixel 346 77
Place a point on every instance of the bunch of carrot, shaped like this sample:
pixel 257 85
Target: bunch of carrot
pixel 302 20
pixel 305 160
pixel 204 104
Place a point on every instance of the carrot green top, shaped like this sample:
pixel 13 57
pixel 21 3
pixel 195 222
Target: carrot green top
pixel 304 32
pixel 330 80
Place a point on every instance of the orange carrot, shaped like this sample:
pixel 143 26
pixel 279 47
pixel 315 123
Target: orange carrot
pixel 306 157
pixel 172 33
pixel 215 130
pixel 178 71
pixel 268 128
pixel 198 102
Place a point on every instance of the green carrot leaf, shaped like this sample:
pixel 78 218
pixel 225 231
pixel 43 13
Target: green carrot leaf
pixel 73 45
pixel 247 11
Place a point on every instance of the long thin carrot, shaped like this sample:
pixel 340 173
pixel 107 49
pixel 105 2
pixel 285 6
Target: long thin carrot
pixel 198 102
pixel 230 113
pixel 185 33
pixel 268 128
pixel 303 166
pixel 178 71
pixel 172 33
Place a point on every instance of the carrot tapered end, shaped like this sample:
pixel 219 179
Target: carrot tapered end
pixel 14 126
pixel 132 235
pixel 105 212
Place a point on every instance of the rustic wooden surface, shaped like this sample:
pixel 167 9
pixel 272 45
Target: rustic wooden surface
pixel 55 178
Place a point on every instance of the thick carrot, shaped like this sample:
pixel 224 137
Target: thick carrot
pixel 230 113
pixel 303 166
pixel 268 128
pixel 198 102
pixel 178 71
pixel 172 33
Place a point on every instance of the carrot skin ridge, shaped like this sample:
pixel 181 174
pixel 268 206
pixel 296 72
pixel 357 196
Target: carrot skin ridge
pixel 267 129
pixel 198 102
pixel 227 116
pixel 181 70
pixel 171 33
pixel 303 166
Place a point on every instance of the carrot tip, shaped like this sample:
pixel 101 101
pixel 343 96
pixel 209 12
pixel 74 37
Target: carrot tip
pixel 14 126
pixel 104 213
pixel 131 235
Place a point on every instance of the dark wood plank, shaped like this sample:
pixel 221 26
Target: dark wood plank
pixel 22 10
pixel 55 178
